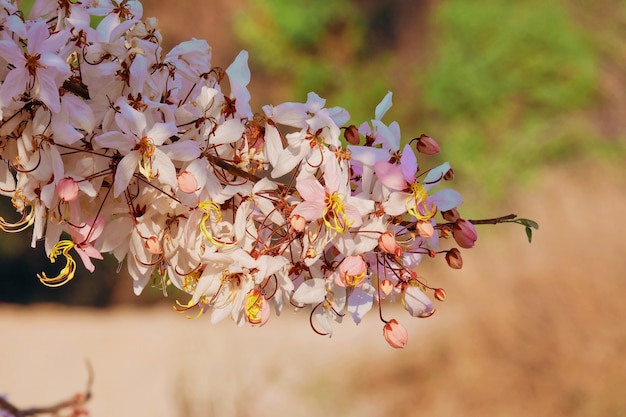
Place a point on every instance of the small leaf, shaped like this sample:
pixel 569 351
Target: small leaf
pixel 529 234
pixel 528 223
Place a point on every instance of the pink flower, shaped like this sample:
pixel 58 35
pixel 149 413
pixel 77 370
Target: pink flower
pixel 395 334
pixel 332 202
pixel 83 236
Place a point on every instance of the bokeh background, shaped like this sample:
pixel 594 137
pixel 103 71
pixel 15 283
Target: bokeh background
pixel 528 102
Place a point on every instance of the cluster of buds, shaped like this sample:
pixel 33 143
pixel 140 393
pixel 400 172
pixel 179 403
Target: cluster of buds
pixel 110 145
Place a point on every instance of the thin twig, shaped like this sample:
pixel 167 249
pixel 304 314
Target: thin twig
pixel 78 400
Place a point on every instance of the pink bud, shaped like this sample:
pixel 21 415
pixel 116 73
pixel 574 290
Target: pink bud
pixel 427 145
pixel 351 271
pixel 387 243
pixel 386 286
pixel 187 182
pixel 153 245
pixel 440 294
pixel 425 229
pixel 67 189
pixel 395 334
pixel 464 233
pixel 297 222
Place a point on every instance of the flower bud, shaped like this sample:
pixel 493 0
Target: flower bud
pixel 153 245
pixel 187 182
pixel 352 135
pixel 297 222
pixel 440 294
pixel 425 229
pixel 464 233
pixel 386 286
pixel 427 145
pixel 451 215
pixel 387 243
pixel 352 271
pixel 454 259
pixel 67 189
pixel 395 334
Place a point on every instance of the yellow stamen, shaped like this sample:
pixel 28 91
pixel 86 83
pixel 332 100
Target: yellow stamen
pixel 416 204
pixel 334 214
pixel 146 150
pixel 354 280
pixel 28 218
pixel 254 302
pixel 210 208
pixel 67 273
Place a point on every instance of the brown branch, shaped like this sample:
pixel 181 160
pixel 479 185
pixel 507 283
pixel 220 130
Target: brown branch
pixel 495 220
pixel 76 402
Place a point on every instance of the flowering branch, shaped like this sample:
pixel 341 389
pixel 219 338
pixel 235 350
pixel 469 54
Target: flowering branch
pixel 109 145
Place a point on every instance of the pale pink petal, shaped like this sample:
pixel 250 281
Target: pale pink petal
pixel 13 54
pixel 187 150
pixel 390 175
pixel 160 132
pixel 396 204
pixel 227 132
pixel 124 172
pixel 311 190
pixel 310 210
pixel 239 76
pixel 417 302
pixel 446 199
pixel 435 175
pixel 164 169
pixel 408 164
pixel 332 177
pixel 131 120
pixel 359 303
pixel 85 258
pixel 115 140
pixel 384 105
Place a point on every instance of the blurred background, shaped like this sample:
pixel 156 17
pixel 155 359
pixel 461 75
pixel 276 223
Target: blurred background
pixel 527 100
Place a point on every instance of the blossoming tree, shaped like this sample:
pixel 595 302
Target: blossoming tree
pixel 108 144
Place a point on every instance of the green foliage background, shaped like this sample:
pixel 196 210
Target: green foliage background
pixel 508 88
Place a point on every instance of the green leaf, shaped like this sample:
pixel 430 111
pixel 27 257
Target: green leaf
pixel 529 234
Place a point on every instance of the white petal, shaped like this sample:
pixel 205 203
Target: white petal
pixel 124 172
pixel 312 291
pixel 228 132
pixel 359 303
pixel 417 302
pixel 383 106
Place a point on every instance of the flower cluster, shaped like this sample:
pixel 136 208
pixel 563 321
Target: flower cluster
pixel 110 145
